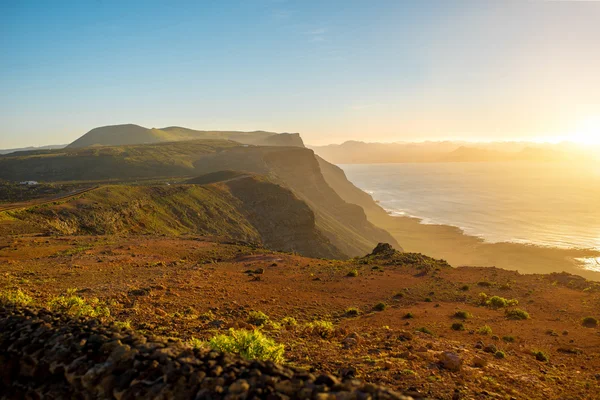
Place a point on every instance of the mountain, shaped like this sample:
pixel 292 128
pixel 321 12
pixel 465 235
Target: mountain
pixel 344 223
pixel 117 135
pixel 353 152
pixel 49 147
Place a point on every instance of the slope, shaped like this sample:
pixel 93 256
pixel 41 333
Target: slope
pixel 249 209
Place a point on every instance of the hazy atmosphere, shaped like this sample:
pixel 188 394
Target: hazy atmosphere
pixel 333 71
pixel 300 200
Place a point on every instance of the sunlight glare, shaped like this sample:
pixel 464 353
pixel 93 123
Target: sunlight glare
pixel 588 132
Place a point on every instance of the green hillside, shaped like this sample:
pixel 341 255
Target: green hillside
pixel 345 224
pixel 250 209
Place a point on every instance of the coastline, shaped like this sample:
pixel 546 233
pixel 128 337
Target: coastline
pixel 459 249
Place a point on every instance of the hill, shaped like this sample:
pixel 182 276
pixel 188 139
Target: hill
pixel 249 209
pixel 344 223
pixel 129 134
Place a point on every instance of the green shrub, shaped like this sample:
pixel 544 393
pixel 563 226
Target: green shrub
pixel 408 315
pixel 458 326
pixel 517 314
pixel 589 322
pixel 15 298
pixel 258 318
pixel 425 330
pixel 508 339
pixel 462 314
pixel 324 329
pixel 496 302
pixel 76 306
pixel 352 312
pixel 485 330
pixel 428 299
pixel 197 343
pixel 289 322
pixel 123 324
pixel 465 288
pixel 541 356
pixel 353 273
pixel 380 306
pixel 500 354
pixel 399 295
pixel 251 345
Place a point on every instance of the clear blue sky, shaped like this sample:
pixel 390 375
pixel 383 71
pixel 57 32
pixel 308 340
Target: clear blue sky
pixel 331 70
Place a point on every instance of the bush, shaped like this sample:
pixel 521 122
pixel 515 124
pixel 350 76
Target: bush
pixel 500 302
pixel 258 318
pixel 123 324
pixel 425 330
pixel 353 273
pixel 589 322
pixel 500 354
pixel 380 306
pixel 428 299
pixel 541 356
pixel 352 312
pixel 324 329
pixel 76 306
pixel 517 314
pixel 485 330
pixel 289 322
pixel 508 339
pixel 251 345
pixel 15 298
pixel 465 288
pixel 485 284
pixel 458 326
pixel 408 315
pixel 462 314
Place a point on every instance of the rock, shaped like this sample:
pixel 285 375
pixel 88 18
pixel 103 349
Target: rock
pixel 450 361
pixel 160 312
pixel 239 386
pixel 479 362
pixel 490 349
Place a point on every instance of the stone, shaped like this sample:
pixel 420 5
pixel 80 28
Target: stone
pixel 450 361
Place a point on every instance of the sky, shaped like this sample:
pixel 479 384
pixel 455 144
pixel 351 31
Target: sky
pixel 387 71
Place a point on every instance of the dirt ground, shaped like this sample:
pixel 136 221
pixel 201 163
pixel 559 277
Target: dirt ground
pixel 195 287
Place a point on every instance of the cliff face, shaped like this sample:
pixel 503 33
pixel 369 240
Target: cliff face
pixel 345 224
pixel 342 220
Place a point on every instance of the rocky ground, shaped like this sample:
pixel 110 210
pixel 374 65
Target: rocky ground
pixel 400 320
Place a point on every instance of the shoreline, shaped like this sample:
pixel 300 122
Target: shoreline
pixel 460 249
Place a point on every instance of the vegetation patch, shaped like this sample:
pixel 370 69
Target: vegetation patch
pixel 352 312
pixel 258 318
pixel 462 314
pixel 380 306
pixel 589 322
pixel 517 314
pixel 251 345
pixel 458 326
pixel 77 306
pixel 15 298
pixel 541 356
pixel 485 330
pixel 323 329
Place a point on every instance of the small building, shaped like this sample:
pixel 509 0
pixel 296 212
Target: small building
pixel 29 183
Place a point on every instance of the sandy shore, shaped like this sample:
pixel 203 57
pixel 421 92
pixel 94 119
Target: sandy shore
pixel 451 244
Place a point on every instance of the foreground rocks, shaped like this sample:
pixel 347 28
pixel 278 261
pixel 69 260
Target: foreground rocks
pixel 43 354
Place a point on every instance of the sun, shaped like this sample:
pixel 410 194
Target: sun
pixel 588 132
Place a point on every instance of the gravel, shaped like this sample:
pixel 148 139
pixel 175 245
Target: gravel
pixel 47 355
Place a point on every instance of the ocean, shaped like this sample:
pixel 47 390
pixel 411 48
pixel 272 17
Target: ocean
pixel 546 204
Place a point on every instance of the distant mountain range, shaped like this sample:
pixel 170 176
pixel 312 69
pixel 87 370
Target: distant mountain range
pixel 353 152
pixel 50 147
